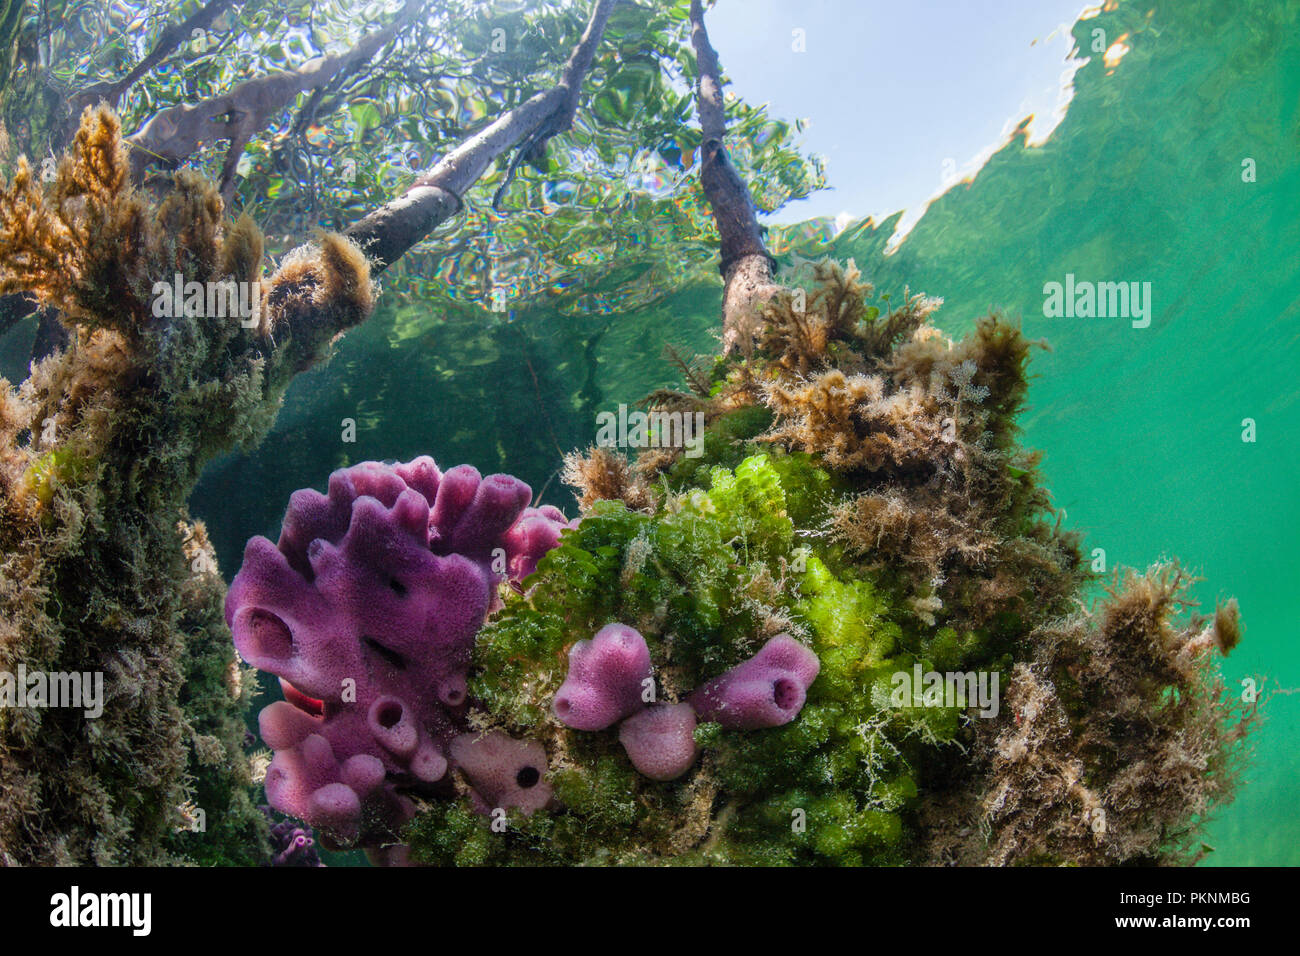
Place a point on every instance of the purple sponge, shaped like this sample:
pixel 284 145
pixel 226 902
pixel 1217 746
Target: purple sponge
pixel 606 679
pixel 767 690
pixel 503 772
pixel 660 740
pixel 536 532
pixel 367 610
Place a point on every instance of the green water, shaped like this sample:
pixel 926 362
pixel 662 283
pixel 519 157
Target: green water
pixel 1142 428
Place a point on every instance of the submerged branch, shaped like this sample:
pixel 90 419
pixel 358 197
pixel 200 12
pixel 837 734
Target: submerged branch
pixel 747 268
pixel 173 135
pixel 171 38
pixel 388 232
pixel 51 333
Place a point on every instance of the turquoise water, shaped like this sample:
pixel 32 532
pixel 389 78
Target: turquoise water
pixel 1141 427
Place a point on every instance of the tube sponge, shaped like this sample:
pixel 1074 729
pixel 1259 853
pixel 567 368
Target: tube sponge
pixel 367 610
pixel 505 773
pixel 606 679
pixel 767 690
pixel 660 740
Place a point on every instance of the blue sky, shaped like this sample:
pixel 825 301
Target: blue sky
pixel 894 90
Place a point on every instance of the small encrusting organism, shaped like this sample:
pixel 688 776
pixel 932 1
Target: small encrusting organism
pixel 291 844
pixel 502 773
pixel 367 610
pixel 660 740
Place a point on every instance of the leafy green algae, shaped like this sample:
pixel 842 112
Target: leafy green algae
pixel 706 578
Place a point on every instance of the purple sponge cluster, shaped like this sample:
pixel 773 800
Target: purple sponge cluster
pixel 367 610
pixel 609 675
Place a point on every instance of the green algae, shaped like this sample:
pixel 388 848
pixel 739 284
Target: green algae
pixel 700 577
pixel 862 489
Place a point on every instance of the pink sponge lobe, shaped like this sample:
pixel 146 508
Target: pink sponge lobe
pixel 767 690
pixel 606 680
pixel 660 740
pixel 536 532
pixel 505 773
